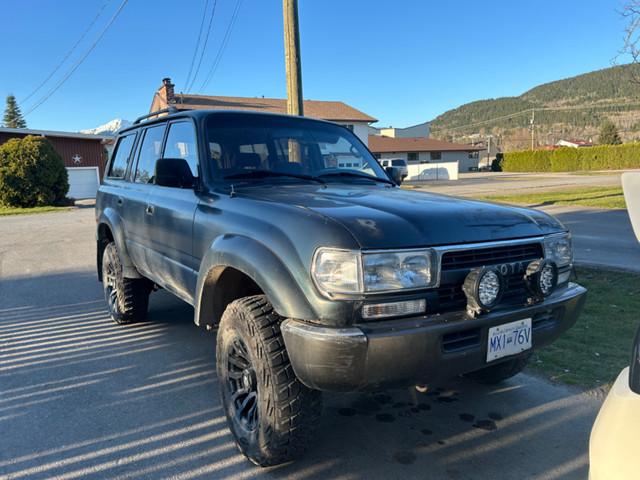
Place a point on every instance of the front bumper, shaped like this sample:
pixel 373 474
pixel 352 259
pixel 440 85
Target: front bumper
pixel 415 350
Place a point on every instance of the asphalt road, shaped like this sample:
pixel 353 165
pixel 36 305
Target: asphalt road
pixel 601 238
pixel 81 397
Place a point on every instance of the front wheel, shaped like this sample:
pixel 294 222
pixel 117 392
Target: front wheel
pixel 127 298
pixel 270 413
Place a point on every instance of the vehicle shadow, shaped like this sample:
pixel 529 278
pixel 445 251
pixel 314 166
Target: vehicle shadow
pixel 83 397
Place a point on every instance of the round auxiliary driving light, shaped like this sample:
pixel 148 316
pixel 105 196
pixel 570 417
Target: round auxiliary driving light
pixel 541 279
pixel 483 288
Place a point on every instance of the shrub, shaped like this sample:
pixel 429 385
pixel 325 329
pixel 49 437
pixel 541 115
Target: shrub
pixel 567 159
pixel 32 173
pixel 496 164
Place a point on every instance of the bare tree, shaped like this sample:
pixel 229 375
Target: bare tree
pixel 631 14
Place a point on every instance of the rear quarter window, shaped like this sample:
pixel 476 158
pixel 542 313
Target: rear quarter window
pixel 122 156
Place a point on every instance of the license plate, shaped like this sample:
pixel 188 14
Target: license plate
pixel 509 339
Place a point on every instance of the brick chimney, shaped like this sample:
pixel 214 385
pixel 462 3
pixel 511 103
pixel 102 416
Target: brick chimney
pixel 166 91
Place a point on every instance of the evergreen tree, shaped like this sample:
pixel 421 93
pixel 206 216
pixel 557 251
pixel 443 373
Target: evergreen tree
pixel 12 116
pixel 609 134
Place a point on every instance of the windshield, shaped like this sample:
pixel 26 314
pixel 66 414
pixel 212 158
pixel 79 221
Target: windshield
pixel 263 148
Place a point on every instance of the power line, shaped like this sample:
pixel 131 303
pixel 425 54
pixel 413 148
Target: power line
pixel 67 55
pixel 75 65
pixel 204 47
pixel 195 51
pixel 216 62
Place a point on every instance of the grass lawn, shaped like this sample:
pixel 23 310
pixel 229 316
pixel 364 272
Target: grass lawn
pixel 8 211
pixel 593 351
pixel 598 197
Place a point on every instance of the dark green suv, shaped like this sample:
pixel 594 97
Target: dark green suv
pixel 317 270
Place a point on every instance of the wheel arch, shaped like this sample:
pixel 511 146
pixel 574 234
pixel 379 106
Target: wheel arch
pixel 237 266
pixel 109 229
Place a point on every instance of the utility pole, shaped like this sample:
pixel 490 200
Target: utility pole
pixel 292 57
pixel 533 127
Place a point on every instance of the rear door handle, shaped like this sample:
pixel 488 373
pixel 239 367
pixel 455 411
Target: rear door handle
pixel 120 200
pixel 149 209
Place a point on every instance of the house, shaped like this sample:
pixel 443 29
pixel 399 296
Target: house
pixel 83 156
pixel 575 143
pixel 337 112
pixel 423 151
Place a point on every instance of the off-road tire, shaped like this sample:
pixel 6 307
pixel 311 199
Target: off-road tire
pixel 500 371
pixel 127 298
pixel 270 413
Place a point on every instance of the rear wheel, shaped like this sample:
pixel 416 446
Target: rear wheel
pixel 500 371
pixel 270 413
pixel 127 298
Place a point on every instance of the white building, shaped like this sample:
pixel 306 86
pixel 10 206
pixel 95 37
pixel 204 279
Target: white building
pixel 422 130
pixel 421 152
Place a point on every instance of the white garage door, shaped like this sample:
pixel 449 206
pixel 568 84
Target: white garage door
pixel 83 182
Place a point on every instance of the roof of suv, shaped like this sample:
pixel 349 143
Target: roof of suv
pixel 170 113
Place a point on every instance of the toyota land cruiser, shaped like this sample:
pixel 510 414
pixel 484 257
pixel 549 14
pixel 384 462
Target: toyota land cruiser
pixel 317 270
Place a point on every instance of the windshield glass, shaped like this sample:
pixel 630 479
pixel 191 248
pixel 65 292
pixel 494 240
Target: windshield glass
pixel 245 146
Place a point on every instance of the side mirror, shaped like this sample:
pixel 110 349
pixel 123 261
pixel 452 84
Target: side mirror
pixel 395 174
pixel 631 187
pixel 634 369
pixel 174 172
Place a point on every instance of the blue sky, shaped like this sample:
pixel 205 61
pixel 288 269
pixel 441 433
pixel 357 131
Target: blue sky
pixel 403 62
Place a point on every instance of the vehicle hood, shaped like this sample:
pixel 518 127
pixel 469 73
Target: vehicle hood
pixel 381 217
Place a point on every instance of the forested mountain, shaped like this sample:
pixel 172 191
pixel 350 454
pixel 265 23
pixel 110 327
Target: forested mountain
pixel 574 107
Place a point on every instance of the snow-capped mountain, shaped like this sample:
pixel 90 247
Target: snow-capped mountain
pixel 110 128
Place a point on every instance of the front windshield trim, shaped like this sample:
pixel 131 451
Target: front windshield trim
pixel 259 174
pixel 356 175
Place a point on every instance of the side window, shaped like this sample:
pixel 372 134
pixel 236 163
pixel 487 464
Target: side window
pixel 122 156
pixel 181 143
pixel 149 154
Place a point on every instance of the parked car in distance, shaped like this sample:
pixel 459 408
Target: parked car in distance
pixel 613 448
pixel 396 162
pixel 317 271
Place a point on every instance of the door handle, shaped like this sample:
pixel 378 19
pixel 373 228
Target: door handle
pixel 120 200
pixel 149 210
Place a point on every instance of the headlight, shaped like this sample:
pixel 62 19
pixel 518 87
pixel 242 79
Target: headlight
pixel 398 270
pixel 337 271
pixel 352 272
pixel 559 249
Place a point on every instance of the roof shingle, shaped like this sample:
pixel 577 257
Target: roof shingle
pixel 333 111
pixel 380 144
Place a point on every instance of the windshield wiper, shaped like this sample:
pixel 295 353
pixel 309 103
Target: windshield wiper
pixel 271 173
pixel 356 175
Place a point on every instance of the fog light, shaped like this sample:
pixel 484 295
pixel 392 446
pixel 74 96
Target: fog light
pixel 483 288
pixel 394 309
pixel 541 279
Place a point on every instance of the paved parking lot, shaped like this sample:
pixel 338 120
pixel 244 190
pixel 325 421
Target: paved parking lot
pixel 81 397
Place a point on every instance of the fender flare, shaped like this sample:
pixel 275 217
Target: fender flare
pixel 261 265
pixel 110 219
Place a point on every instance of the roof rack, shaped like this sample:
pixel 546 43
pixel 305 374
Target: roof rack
pixel 156 114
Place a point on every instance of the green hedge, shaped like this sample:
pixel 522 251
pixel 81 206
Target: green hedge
pixel 567 159
pixel 32 174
